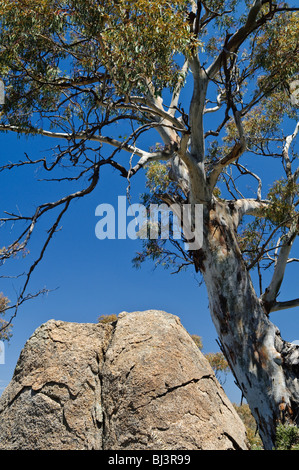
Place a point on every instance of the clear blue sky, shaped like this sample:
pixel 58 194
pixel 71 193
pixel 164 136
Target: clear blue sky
pixel 90 277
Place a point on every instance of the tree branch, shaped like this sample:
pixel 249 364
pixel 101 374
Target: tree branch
pixel 176 93
pixel 238 38
pixel 231 157
pixel 145 157
pixel 285 153
pixel 284 305
pixel 270 294
pixel 42 209
pixel 79 135
pixel 200 83
pixel 243 170
pixel 145 105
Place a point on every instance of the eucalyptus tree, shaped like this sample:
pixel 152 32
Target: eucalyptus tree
pixel 217 81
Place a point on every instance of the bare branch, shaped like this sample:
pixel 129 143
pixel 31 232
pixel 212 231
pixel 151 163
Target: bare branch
pixel 219 101
pixel 176 93
pixel 285 153
pixel 156 156
pixel 154 109
pixel 270 294
pixel 284 305
pixel 238 38
pixel 251 207
pixel 244 171
pixel 42 209
pixel 231 157
pixel 79 135
pixel 19 245
pixel 19 302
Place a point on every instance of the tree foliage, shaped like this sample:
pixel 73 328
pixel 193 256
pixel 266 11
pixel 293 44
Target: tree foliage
pixel 287 437
pixel 250 424
pixel 107 318
pixel 219 365
pixel 216 360
pixel 48 46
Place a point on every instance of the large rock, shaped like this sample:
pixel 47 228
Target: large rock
pixel 138 383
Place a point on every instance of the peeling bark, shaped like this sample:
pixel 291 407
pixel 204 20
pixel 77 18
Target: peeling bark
pixel 265 367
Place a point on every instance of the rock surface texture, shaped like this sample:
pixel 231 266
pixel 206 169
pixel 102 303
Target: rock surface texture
pixel 138 383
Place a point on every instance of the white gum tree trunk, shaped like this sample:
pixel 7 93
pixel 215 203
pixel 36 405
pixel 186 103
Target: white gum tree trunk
pixel 265 367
